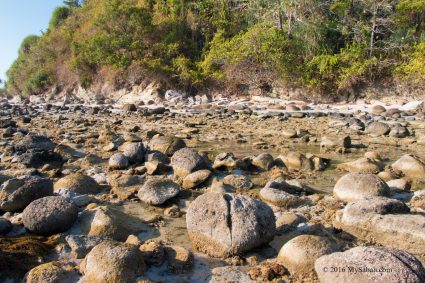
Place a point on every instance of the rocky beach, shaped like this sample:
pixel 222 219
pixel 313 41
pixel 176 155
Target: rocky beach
pixel 212 190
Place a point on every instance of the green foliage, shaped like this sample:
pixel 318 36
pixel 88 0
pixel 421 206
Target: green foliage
pixel 37 81
pixel 27 43
pixel 414 68
pixel 327 45
pixel 262 45
pixel 341 70
pixel 120 38
pixel 60 14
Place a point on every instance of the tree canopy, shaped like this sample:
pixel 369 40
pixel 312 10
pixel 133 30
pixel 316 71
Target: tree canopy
pixel 330 45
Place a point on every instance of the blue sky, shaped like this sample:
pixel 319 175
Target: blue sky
pixel 19 18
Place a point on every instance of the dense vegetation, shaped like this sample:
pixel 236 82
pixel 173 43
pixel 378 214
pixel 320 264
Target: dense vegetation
pixel 331 46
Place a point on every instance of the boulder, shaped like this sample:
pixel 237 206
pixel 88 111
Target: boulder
pixel 384 221
pixel 281 194
pixel 135 152
pixel 186 161
pixel 78 183
pixel 335 143
pixel 399 131
pixel 110 223
pixel 356 186
pixel 223 225
pixel 296 161
pixel 363 166
pixel 399 185
pixel 53 272
pixel 37 159
pixel 240 182
pixel 157 168
pixel 81 245
pixel 226 161
pixel 49 215
pixel 196 178
pixel 18 193
pixel 113 262
pixel 157 190
pixel 118 161
pixel 263 161
pixel 378 109
pixel 377 129
pixel 369 264
pixel 411 166
pixel 300 253
pixel 34 142
pixel 166 144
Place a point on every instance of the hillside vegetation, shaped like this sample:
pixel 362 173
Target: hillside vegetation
pixel 331 47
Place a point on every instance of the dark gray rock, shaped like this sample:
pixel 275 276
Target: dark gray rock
pixel 18 193
pixel 49 215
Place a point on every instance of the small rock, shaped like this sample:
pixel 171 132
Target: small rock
pixel 196 178
pixel 158 190
pixel 118 161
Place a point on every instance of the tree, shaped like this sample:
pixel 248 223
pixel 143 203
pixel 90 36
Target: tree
pixel 60 14
pixel 411 15
pixel 73 3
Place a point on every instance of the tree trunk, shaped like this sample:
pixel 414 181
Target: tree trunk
pixel 372 34
pixel 279 11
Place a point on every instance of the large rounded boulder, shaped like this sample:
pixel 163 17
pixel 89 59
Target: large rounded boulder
pixel 157 190
pixel 113 262
pixel 18 193
pixel 300 253
pixel 223 225
pixel 186 161
pixel 370 264
pixel 411 166
pixel 356 186
pixel 78 183
pixel 49 215
pixel 377 129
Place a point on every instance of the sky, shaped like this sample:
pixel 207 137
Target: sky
pixel 19 18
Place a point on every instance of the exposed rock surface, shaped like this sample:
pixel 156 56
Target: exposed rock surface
pixel 186 161
pixel 166 144
pixel 113 262
pixel 411 166
pixel 224 225
pixel 371 264
pixel 16 194
pixel 356 186
pixel 300 253
pixel 78 183
pixel 49 215
pixel 385 221
pixel 157 190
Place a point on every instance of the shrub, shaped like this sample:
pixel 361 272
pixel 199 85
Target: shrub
pixel 60 14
